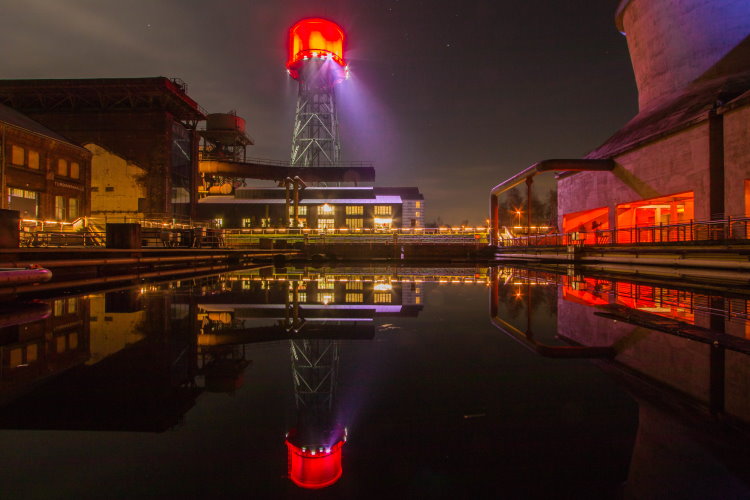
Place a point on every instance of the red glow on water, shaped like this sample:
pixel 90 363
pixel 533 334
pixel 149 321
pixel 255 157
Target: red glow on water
pixel 313 469
pixel 314 38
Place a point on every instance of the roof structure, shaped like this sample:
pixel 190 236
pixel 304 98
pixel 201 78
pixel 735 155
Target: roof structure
pixel 12 117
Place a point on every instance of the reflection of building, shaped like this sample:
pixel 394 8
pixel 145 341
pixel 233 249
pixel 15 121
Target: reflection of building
pixel 683 355
pixel 43 175
pixel 141 132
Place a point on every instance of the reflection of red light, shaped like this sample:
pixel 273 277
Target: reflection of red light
pixel 312 468
pixel 314 39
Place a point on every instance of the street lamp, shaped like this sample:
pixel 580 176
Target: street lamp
pixel 518 214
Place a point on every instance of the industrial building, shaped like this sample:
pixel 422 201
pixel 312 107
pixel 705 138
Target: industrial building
pixel 43 175
pixel 140 131
pixel 686 155
pixel 378 208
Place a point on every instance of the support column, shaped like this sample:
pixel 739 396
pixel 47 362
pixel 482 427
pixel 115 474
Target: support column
pixel 716 165
pixel 529 182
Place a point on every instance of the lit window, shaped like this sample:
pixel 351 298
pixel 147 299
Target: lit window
pixel 417 300
pixel 302 296
pixel 326 223
pixel 301 210
pixel 75 170
pixel 265 222
pixel 417 214
pixel 382 298
pixel 247 222
pixel 73 208
pixel 31 353
pixel 17 154
pixel 418 204
pixel 355 210
pixel 219 222
pixel 72 305
pixel 16 357
pixel 354 223
pixel 325 209
pixel 354 285
pixel 325 298
pixel 354 298
pixel 59 307
pixel 299 223
pixel 62 167
pixel 60 207
pixel 325 285
pixel 34 159
pixel 382 210
pixel 72 341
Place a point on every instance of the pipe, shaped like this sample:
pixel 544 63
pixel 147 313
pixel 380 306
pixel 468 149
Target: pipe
pixel 553 165
pixel 256 170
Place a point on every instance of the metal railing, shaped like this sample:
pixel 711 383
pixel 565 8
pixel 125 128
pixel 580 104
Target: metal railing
pixel 731 229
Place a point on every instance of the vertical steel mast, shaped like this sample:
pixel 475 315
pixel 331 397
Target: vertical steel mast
pixel 316 61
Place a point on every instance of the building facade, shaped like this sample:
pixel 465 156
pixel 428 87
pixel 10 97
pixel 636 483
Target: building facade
pixel 149 123
pixel 44 176
pixel 378 208
pixel 686 155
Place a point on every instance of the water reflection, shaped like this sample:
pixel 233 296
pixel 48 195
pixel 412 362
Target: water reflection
pixel 681 352
pixel 461 409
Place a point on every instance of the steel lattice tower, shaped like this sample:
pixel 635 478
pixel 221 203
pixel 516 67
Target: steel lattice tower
pixel 316 61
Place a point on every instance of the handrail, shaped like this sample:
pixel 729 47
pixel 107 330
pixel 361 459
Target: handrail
pixel 729 229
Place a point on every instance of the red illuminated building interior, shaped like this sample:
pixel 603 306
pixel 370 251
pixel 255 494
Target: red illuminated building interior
pixel 664 210
pixel 314 38
pixel 585 223
pixel 312 468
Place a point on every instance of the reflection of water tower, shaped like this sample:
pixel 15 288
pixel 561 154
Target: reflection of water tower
pixel 316 61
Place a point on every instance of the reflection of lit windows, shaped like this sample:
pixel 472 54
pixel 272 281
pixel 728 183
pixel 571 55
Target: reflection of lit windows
pixel 60 344
pixel 417 214
pixel 326 224
pixel 382 222
pixel 247 222
pixel 31 353
pixel 219 222
pixel 301 210
pixel 247 285
pixel 354 298
pixel 72 305
pixel 326 285
pixel 265 222
pixel 325 209
pixel 16 357
pixel 417 300
pixel 382 298
pixel 354 223
pixel 354 285
pixel 301 222
pixel 59 307
pixel 72 341
pixel 302 296
pixel 382 210
pixel 325 298
pixel 355 210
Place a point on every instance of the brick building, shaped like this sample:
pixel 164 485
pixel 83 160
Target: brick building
pixel 43 175
pixel 143 127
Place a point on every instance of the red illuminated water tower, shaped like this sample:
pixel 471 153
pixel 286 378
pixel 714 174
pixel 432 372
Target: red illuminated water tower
pixel 316 61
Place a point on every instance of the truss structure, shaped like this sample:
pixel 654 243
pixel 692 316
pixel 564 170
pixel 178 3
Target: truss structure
pixel 314 369
pixel 315 140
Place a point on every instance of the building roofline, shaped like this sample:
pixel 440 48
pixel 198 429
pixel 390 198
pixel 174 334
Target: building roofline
pixel 619 13
pixel 41 132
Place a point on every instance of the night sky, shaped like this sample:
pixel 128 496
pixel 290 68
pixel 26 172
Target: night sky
pixel 452 97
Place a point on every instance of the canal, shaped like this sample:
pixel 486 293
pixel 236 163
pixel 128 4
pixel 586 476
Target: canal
pixel 356 382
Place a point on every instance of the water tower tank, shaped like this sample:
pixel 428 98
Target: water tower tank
pixel 315 39
pixel 225 122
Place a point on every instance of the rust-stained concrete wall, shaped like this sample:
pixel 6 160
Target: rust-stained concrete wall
pixel 736 159
pixel 672 43
pixel 671 165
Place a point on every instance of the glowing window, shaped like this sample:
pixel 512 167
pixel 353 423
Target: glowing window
pixel 301 210
pixel 17 154
pixel 247 222
pixel 326 285
pixel 382 298
pixel 62 167
pixel 31 353
pixel 382 210
pixel 302 296
pixel 73 208
pixel 417 214
pixel 59 307
pixel 72 341
pixel 355 210
pixel 219 222
pixel 418 204
pixel 325 298
pixel 326 223
pixel 354 298
pixel 72 305
pixel 417 300
pixel 354 285
pixel 354 223
pixel 16 357
pixel 60 207
pixel 75 170
pixel 325 209
pixel 34 159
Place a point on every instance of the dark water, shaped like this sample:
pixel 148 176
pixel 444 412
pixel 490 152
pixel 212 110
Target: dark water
pixel 423 383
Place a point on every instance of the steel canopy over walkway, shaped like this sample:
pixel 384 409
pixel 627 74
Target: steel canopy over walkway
pixel 264 169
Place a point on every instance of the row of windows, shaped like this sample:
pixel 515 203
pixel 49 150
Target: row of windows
pixel 22 157
pixel 349 210
pixel 351 298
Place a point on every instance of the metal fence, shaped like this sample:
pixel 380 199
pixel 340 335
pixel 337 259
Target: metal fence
pixel 726 230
